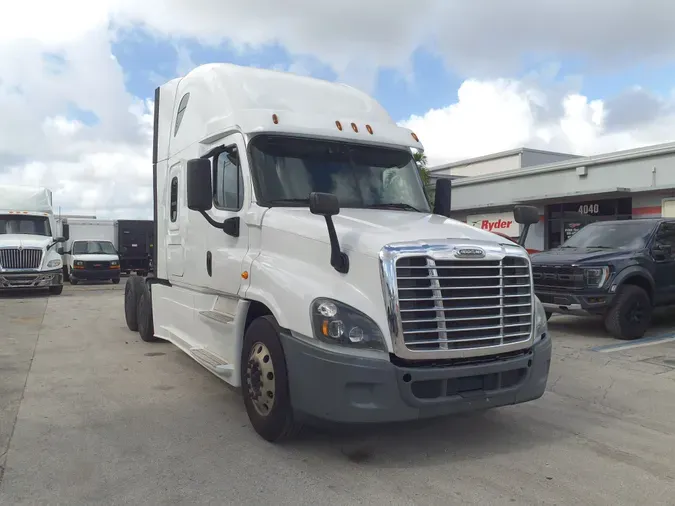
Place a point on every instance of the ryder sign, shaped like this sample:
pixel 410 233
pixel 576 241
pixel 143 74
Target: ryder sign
pixel 495 222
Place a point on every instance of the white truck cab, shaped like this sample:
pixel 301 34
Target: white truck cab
pixel 297 257
pixel 92 260
pixel 29 253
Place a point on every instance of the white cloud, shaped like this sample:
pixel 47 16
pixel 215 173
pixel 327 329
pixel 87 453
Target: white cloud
pixel 497 115
pixel 56 57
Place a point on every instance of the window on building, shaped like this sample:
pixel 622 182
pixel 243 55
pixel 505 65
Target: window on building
pixel 228 184
pixel 565 220
pixel 181 112
pixel 174 200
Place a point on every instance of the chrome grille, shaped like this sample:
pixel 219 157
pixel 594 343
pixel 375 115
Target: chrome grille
pixel 460 304
pixel 15 258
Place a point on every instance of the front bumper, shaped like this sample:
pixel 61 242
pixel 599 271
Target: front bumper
pixel 580 304
pixel 95 274
pixel 30 279
pixel 341 388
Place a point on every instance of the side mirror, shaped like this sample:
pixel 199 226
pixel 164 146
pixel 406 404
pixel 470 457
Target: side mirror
pixel 60 239
pixel 443 197
pixel 662 250
pixel 324 204
pixel 66 231
pixel 526 215
pixel 199 192
pixel 327 205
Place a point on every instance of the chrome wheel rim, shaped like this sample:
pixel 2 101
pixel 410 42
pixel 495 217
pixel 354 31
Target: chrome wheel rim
pixel 261 379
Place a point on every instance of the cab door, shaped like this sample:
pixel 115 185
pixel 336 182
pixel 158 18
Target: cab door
pixel 663 254
pixel 226 248
pixel 175 240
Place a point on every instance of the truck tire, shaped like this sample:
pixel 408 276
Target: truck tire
pixel 264 382
pixel 73 281
pixel 132 294
pixel 146 327
pixel 631 314
pixel 55 290
pixel 115 281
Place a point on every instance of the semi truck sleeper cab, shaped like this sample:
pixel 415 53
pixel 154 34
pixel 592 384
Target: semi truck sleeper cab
pixel 297 257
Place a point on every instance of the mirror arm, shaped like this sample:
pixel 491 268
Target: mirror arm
pixel 338 259
pixel 523 235
pixel 211 221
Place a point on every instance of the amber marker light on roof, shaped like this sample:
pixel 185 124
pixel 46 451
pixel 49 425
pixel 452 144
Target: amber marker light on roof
pixel 355 128
pixel 338 125
pixel 414 136
pixel 275 119
pixel 370 129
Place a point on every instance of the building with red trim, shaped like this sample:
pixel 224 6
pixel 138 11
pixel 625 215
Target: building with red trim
pixel 569 190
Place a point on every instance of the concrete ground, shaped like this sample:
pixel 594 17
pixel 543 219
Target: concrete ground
pixel 89 414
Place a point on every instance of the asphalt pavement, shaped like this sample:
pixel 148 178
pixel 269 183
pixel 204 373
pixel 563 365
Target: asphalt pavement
pixel 90 414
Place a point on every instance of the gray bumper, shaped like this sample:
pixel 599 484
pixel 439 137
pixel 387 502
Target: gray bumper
pixel 30 279
pixel 339 388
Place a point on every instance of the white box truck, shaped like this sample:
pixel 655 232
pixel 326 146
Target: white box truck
pixel 91 253
pixel 29 252
pixel 297 257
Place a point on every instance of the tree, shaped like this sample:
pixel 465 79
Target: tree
pixel 421 161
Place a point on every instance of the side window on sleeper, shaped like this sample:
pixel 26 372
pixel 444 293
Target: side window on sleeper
pixel 173 204
pixel 228 183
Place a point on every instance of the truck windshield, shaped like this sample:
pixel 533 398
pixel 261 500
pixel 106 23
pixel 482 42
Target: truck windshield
pixel 612 235
pixel 93 248
pixel 26 224
pixel 287 169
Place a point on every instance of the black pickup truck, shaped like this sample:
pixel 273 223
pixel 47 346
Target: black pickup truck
pixel 619 270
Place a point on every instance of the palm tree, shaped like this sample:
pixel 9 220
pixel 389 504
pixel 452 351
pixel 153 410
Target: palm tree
pixel 421 161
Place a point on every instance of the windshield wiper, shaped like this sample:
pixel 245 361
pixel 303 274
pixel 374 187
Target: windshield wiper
pixel 394 205
pixel 600 247
pixel 290 201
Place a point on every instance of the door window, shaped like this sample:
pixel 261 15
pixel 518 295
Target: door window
pixel 666 236
pixel 228 184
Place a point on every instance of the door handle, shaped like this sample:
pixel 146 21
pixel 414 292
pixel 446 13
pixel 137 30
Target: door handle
pixel 208 262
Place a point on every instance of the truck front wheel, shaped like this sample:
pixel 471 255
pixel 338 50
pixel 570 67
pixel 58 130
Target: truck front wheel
pixel 631 314
pixel 146 327
pixel 264 382
pixel 55 290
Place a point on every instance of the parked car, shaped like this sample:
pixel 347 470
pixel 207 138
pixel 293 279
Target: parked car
pixel 617 270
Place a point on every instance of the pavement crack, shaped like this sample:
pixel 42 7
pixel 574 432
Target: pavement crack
pixel 3 455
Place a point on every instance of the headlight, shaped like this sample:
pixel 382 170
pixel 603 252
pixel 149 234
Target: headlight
pixel 54 263
pixel 114 262
pixel 596 276
pixel 78 262
pixel 540 323
pixel 337 323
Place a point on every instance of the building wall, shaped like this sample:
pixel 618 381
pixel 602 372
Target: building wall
pixel 533 158
pixel 486 167
pixel 637 175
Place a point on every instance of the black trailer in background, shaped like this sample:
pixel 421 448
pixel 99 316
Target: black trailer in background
pixel 135 240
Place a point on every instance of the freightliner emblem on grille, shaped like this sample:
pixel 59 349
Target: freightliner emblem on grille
pixel 469 253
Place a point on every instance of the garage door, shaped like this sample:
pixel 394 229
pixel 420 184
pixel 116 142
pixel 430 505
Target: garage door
pixel 668 208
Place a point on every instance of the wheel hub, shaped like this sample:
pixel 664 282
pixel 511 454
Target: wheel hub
pixel 260 379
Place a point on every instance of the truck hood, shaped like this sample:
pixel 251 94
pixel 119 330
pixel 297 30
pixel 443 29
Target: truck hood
pixel 568 256
pixel 25 241
pixel 96 257
pixel 368 230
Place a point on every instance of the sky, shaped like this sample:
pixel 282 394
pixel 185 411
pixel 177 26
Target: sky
pixel 77 77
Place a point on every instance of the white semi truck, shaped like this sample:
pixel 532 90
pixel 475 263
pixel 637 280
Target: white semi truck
pixel 297 257
pixel 29 251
